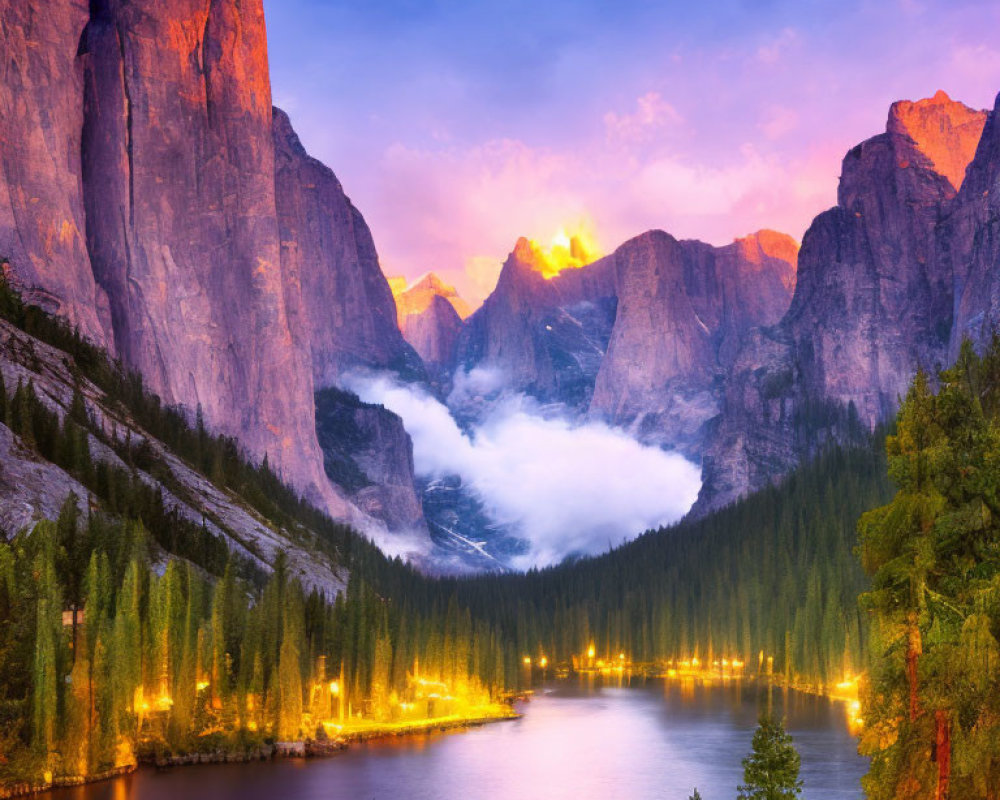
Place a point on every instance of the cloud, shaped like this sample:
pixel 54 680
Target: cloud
pixel 460 210
pixel 779 121
pixel 408 545
pixel 569 488
pixel 772 52
pixel 651 116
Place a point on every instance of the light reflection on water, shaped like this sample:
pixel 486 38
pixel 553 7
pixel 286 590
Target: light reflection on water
pixel 577 740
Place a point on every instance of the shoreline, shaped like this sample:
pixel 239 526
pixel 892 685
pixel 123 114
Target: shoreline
pixel 303 749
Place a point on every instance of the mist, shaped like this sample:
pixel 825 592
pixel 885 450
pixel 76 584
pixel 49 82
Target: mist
pixel 569 488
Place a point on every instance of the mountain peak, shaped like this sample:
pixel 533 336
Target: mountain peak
pixel 564 252
pixel 769 244
pixel 946 131
pixel 416 299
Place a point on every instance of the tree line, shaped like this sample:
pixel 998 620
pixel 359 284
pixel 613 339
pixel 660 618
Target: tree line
pixel 108 655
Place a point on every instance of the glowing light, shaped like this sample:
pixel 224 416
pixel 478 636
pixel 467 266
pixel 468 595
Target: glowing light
pixel 565 251
pixel 527 661
pixel 591 652
pixel 544 662
pixel 334 688
pixel 621 656
pixel 164 702
pixel 201 686
pixel 47 776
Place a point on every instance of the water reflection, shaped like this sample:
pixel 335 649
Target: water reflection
pixel 578 740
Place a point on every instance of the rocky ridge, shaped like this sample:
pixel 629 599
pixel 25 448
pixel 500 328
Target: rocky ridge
pixel 889 280
pixel 32 488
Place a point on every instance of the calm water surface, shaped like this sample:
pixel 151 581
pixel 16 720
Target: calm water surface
pixel 575 742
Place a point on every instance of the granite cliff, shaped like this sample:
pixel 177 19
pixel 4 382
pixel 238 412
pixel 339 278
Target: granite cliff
pixel 154 197
pixel 430 315
pixel 637 338
pixel 889 280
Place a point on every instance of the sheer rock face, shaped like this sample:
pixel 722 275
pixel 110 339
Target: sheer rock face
pixel 417 298
pixel 970 242
pixel 154 198
pixel 880 278
pixel 683 308
pixel 637 338
pixel 430 315
pixel 42 227
pixel 945 131
pixel 347 314
pixel 179 190
pixel 367 450
pixel 546 337
pixel 434 332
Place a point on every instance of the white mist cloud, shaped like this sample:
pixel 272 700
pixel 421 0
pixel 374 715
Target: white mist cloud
pixel 569 488
pixel 409 545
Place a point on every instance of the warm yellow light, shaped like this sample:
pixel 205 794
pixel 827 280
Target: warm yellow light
pixel 544 662
pixel 201 686
pixel 591 652
pixel 47 776
pixel 164 702
pixel 567 250
pixel 527 661
pixel 251 725
pixel 694 662
pixel 334 688
pixel 621 656
pixel 561 239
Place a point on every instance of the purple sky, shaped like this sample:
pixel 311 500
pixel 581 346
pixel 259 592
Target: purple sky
pixel 457 126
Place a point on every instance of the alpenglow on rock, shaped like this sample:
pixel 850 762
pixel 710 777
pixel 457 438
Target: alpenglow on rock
pixel 636 338
pixel 879 276
pixel 430 315
pixel 154 198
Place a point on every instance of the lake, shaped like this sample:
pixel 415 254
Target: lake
pixel 577 740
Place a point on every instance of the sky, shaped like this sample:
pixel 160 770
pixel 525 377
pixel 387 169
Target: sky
pixel 457 126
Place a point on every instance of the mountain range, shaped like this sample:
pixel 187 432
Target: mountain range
pixel 154 197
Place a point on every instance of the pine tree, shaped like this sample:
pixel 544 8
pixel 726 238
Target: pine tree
pixel 771 771
pixel 290 668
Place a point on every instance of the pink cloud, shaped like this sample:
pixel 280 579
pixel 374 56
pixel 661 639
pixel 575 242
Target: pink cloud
pixel 773 51
pixel 459 211
pixel 778 121
pixel 652 115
